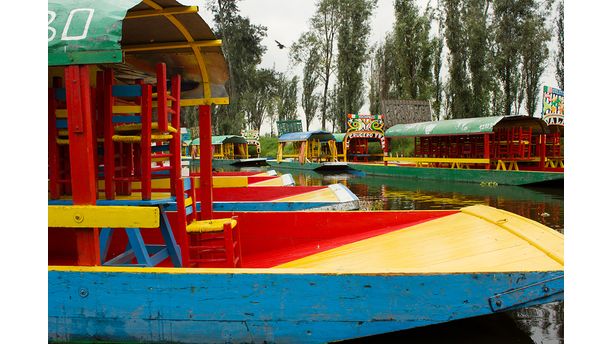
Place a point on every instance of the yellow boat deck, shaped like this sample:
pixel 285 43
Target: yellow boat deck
pixel 477 239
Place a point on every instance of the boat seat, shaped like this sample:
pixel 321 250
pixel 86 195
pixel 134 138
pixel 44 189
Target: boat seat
pixel 210 226
pixel 206 243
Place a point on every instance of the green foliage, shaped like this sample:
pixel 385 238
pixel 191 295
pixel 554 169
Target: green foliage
pixel 256 100
pixel 310 81
pixel 402 146
pixel 534 54
pixel 286 97
pixel 479 57
pixel 407 64
pixel 243 51
pixel 413 51
pixel 269 145
pixel 320 37
pixel 559 60
pixel 458 95
pixel 353 32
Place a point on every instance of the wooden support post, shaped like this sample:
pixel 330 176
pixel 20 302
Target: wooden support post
pixel 487 150
pixel 542 163
pixel 145 141
pixel 54 169
pixel 83 171
pixel 109 146
pixel 175 160
pixel 206 162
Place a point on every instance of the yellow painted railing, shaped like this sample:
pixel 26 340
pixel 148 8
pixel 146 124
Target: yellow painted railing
pixel 89 216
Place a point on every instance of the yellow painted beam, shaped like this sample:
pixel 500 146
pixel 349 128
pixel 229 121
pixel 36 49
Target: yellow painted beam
pixel 161 12
pixel 61 113
pixel 103 216
pixel 437 160
pixel 127 109
pixel 172 45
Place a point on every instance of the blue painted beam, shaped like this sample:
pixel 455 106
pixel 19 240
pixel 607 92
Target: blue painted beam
pixel 309 307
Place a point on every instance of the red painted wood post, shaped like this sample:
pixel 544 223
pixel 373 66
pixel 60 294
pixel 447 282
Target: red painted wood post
pixel 542 151
pixel 82 169
pixel 206 162
pixel 162 100
pixel 145 141
pixel 109 146
pixel 487 150
pixel 54 169
pixel 175 159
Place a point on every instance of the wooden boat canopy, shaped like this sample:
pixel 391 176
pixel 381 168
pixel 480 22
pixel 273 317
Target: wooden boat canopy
pixel 466 126
pixel 217 140
pixel 307 135
pixel 134 36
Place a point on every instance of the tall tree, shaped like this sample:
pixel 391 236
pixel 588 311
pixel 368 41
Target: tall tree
pixel 259 98
pixel 310 81
pixel 353 32
pixel 413 51
pixel 286 97
pixel 477 35
pixel 458 90
pixel 438 47
pixel 508 16
pixel 243 51
pixel 382 69
pixel 535 37
pixel 322 35
pixel 559 61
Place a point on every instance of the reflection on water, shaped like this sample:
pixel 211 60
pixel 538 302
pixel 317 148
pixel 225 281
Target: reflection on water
pixel 542 324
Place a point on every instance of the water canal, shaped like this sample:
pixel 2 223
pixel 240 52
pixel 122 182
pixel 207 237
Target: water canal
pixel 542 324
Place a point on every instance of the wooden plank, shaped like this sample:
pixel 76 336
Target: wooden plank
pixel 103 216
pixel 467 242
pixel 438 160
pixel 297 307
pixel 82 168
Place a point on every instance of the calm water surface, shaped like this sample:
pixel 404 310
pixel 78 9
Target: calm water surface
pixel 542 324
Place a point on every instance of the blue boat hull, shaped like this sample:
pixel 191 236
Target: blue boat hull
pixel 230 305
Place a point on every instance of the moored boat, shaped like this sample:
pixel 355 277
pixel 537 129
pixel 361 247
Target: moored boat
pixel 514 150
pixel 133 269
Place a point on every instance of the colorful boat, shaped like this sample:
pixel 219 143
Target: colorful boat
pixel 314 150
pixel 135 270
pixel 335 282
pixel 230 150
pixel 466 150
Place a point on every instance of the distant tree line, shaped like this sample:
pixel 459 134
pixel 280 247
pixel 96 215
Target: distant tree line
pixel 470 58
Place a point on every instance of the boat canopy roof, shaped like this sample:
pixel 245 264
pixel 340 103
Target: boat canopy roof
pixel 463 126
pixel 339 137
pixel 307 135
pixel 133 36
pixel 217 140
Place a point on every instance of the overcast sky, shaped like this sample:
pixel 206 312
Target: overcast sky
pixel 287 20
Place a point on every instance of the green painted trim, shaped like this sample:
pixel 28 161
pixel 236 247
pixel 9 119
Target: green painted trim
pixel 476 125
pixel 85 57
pixel 309 166
pixel 462 175
pixel 86 31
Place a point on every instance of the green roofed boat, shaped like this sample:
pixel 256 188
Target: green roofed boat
pixel 229 150
pixel 513 150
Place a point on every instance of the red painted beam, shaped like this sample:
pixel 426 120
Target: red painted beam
pixel 264 193
pixel 82 168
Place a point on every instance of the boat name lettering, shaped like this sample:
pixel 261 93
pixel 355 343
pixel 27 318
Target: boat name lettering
pixel 69 21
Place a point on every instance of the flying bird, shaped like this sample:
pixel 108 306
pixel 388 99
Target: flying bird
pixel 280 45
